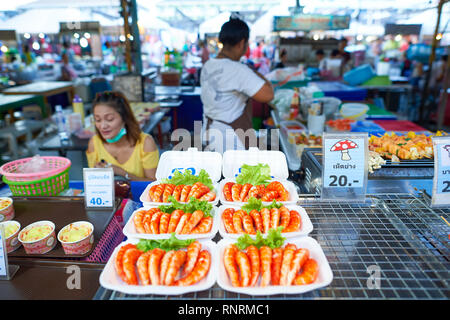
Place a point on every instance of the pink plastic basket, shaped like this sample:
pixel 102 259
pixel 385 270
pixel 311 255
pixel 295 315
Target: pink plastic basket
pixel 55 166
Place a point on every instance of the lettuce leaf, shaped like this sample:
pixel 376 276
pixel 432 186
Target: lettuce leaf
pixel 255 175
pixel 273 240
pixel 165 244
pixel 256 204
pixel 190 207
pixel 188 179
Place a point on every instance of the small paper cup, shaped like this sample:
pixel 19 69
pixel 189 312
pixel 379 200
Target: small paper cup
pixel 12 242
pixel 42 245
pixel 81 246
pixel 7 213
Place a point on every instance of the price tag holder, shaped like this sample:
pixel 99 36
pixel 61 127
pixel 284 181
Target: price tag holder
pixel 6 271
pixel 441 180
pixel 98 188
pixel 345 167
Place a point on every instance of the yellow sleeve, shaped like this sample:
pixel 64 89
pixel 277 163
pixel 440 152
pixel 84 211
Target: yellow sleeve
pixel 150 159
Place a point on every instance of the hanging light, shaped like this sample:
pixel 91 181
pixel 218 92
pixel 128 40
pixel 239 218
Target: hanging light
pixel 316 37
pixel 398 37
pixel 4 49
pixel 27 35
pixel 76 35
pixel 122 38
pixel 36 45
pixel 87 35
pixel 439 36
pixel 41 35
pixel 83 42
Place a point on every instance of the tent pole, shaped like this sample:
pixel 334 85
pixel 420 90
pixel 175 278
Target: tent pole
pixel 126 27
pixel 444 97
pixel 430 63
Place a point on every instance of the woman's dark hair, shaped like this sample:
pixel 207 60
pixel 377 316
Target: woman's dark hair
pixel 320 52
pixel 233 31
pixel 335 53
pixel 119 102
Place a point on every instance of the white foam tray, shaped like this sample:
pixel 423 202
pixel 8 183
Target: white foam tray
pixel 305 229
pixel 147 202
pixel 130 231
pixel 324 278
pixel 110 280
pixel 288 185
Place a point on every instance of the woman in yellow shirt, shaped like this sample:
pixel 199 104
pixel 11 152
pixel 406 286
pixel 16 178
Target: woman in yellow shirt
pixel 119 141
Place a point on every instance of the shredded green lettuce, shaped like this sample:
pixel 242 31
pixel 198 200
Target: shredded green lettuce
pixel 255 175
pixel 165 244
pixel 188 179
pixel 256 204
pixel 190 207
pixel 273 240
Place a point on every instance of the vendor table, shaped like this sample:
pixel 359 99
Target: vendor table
pixel 10 102
pixel 77 144
pixel 43 88
pixel 397 234
pixel 293 160
pixel 341 91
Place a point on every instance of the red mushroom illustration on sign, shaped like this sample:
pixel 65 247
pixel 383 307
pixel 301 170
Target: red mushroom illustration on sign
pixel 447 148
pixel 344 146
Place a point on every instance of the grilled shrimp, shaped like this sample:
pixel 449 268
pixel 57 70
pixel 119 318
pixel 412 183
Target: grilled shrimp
pixel 300 257
pixel 200 270
pixel 200 191
pixel 229 260
pixel 247 221
pixel 138 221
pixel 204 226
pixel 270 195
pixel 129 261
pixel 168 190
pixel 157 195
pixel 174 219
pixel 194 219
pixel 244 191
pixel 256 216
pixel 227 191
pixel 192 254
pixel 253 255
pixel 265 254
pixel 174 266
pixel 274 218
pixel 142 267
pixel 227 218
pixel 243 264
pixel 164 265
pixel 177 192
pixel 236 192
pixel 295 222
pixel 237 221
pixel 119 260
pixel 277 258
pixel 285 217
pixel 210 196
pixel 310 271
pixel 265 214
pixel 183 220
pixel 164 223
pixel 154 224
pixel 184 194
pixel 154 263
pixel 288 255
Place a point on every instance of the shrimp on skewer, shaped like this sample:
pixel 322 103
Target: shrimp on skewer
pixel 138 221
pixel 310 271
pixel 274 218
pixel 285 217
pixel 204 226
pixel 229 260
pixel 153 265
pixel 154 224
pixel 277 258
pixel 164 265
pixel 227 191
pixel 256 216
pixel 237 221
pixel 177 192
pixel 295 222
pixel 185 193
pixel 142 267
pixel 157 195
pixel 174 266
pixel 174 219
pixel 119 260
pixel 253 255
pixel 288 255
pixel 210 196
pixel 192 222
pixel 265 214
pixel 200 270
pixel 243 264
pixel 236 191
pixel 300 257
pixel 227 218
pixel 265 254
pixel 183 220
pixel 129 261
pixel 247 221
pixel 168 190
pixel 164 223
pixel 193 251
pixel 244 191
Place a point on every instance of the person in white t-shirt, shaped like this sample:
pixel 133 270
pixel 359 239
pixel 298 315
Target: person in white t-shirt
pixel 226 87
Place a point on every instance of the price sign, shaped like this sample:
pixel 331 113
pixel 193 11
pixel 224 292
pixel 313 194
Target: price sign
pixel 345 166
pixel 441 180
pixel 98 187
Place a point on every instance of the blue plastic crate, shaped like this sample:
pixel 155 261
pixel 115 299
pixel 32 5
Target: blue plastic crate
pixel 367 126
pixel 359 75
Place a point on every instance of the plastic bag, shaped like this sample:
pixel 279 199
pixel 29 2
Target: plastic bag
pixel 282 99
pixel 36 164
pixel 286 74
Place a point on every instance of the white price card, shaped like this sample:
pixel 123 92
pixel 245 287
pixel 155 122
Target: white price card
pixel 3 255
pixel 441 180
pixel 98 187
pixel 345 166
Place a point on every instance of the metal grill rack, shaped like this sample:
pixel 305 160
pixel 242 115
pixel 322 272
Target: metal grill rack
pixel 397 233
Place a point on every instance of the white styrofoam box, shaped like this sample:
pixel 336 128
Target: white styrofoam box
pixel 193 159
pixel 234 159
pixel 288 185
pixel 130 231
pixel 147 202
pixel 324 278
pixel 305 229
pixel 110 280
